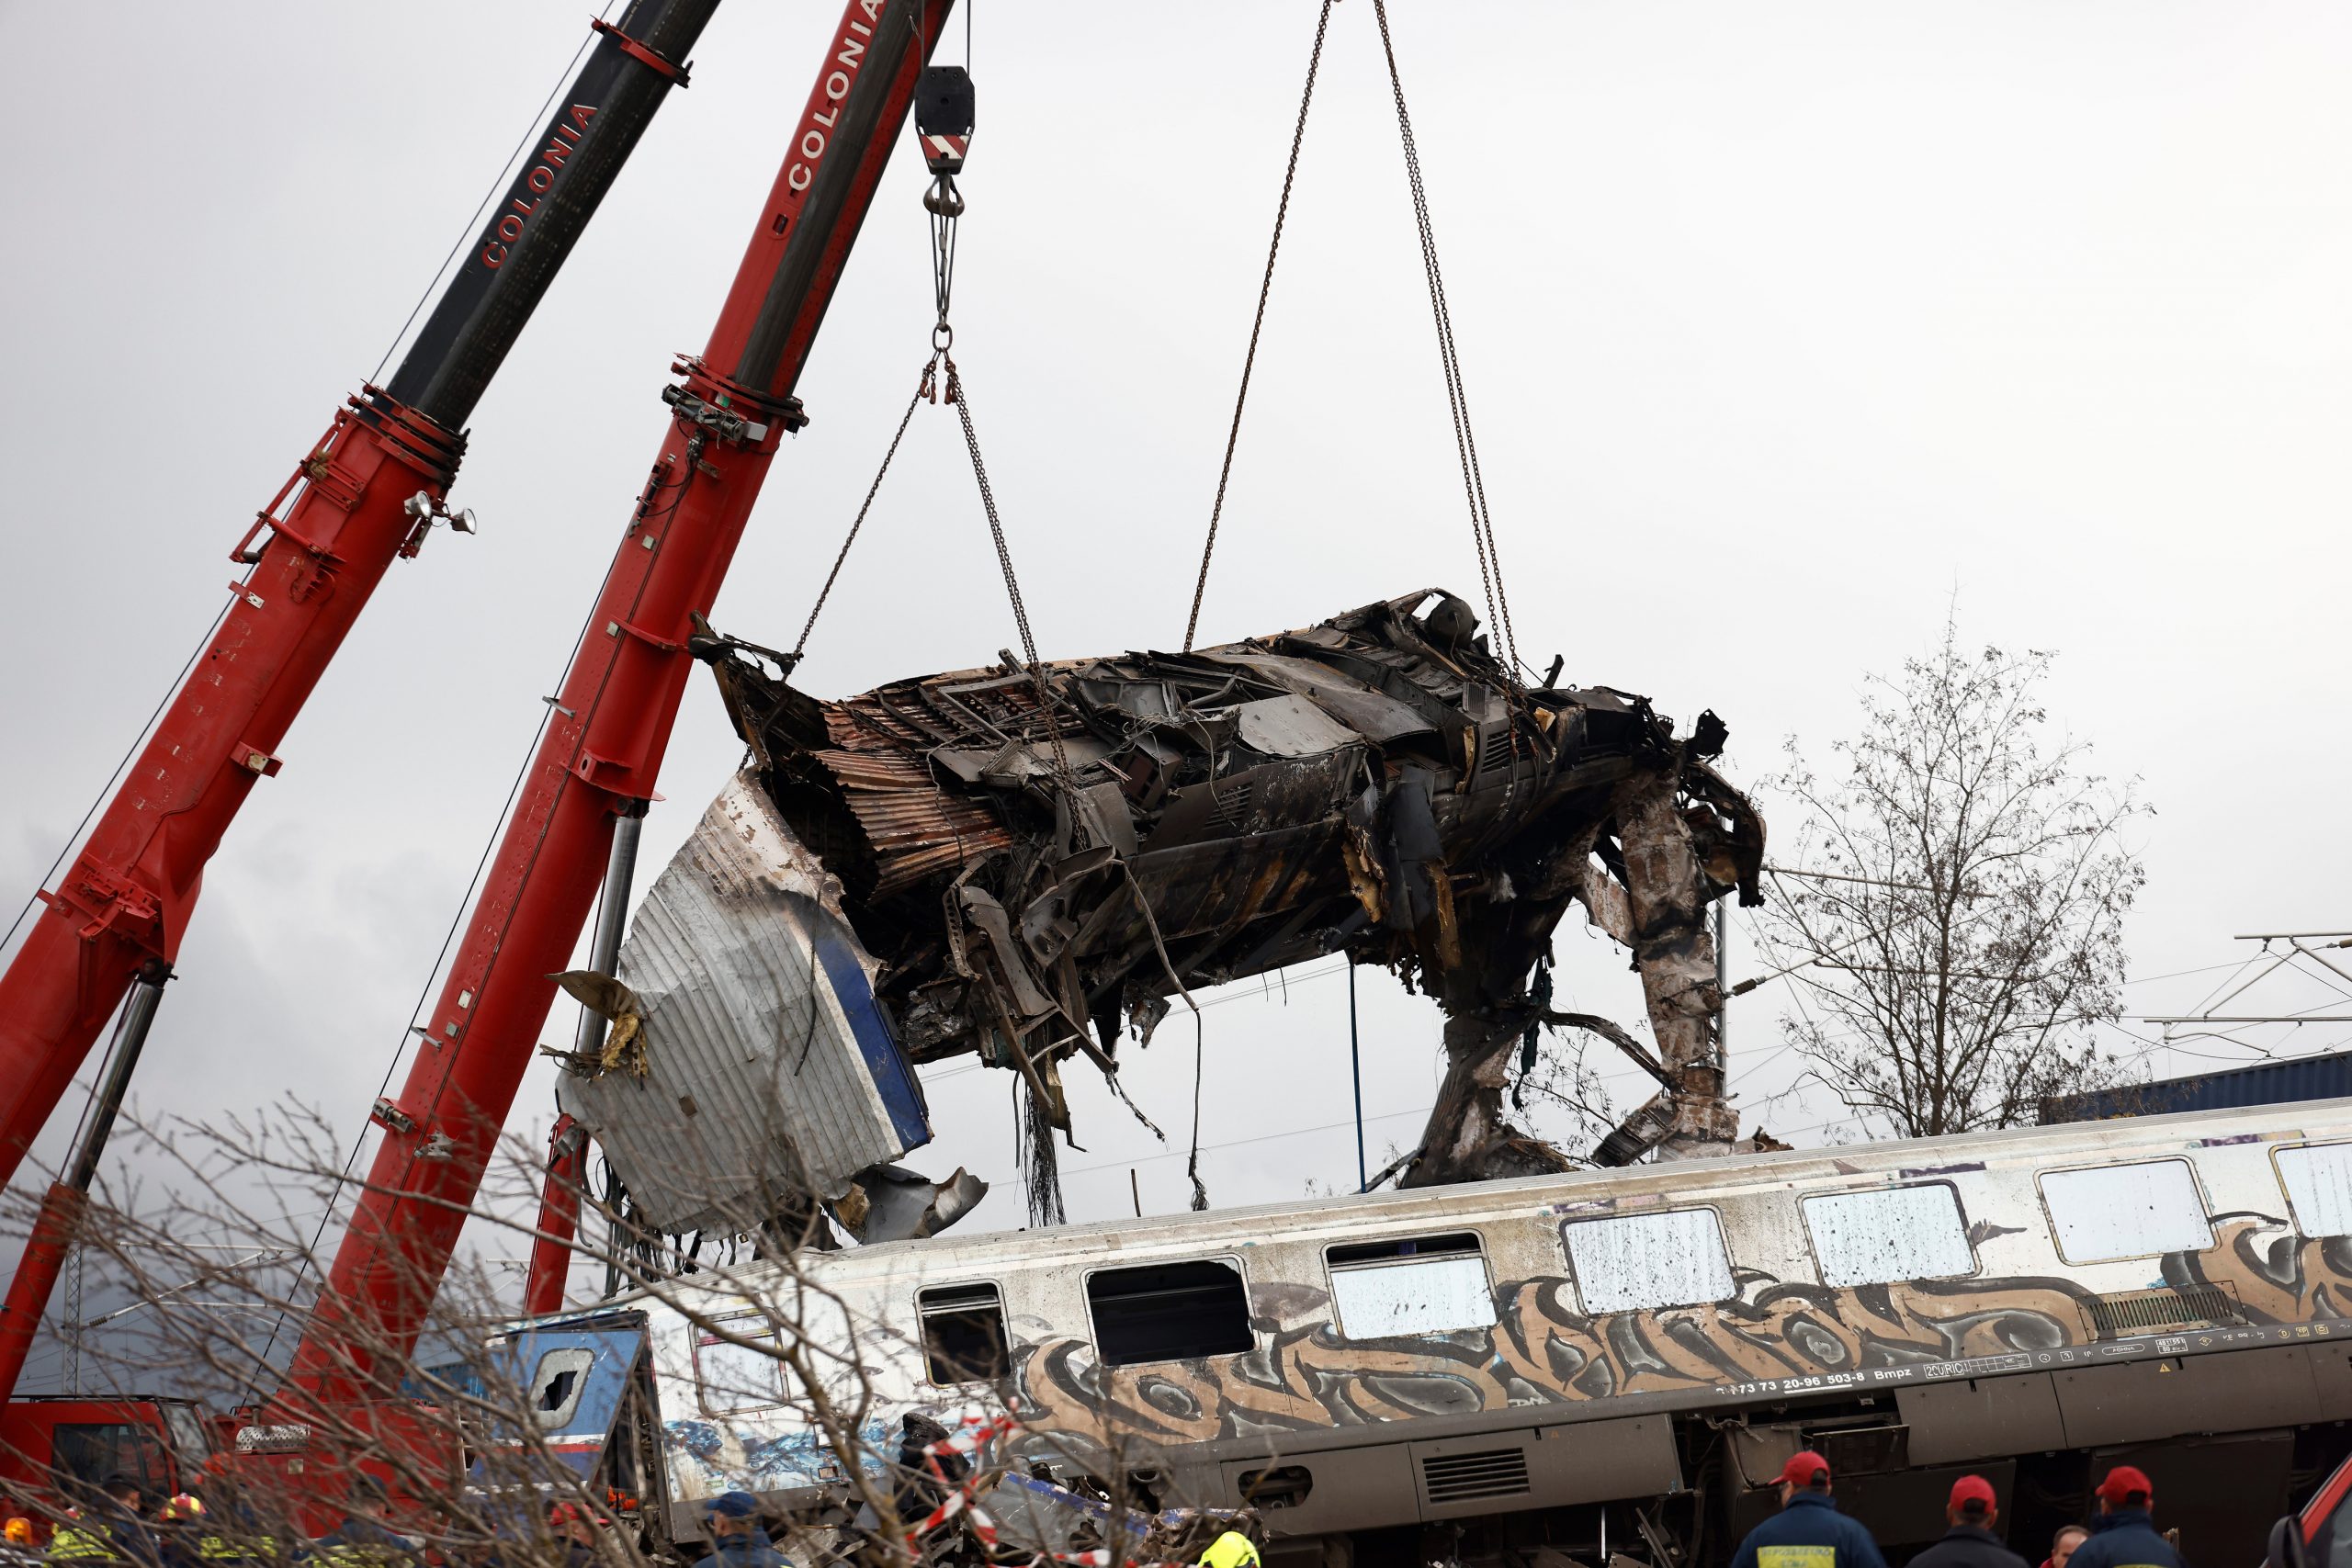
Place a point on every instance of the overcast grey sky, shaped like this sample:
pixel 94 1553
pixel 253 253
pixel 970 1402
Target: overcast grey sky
pixel 1784 326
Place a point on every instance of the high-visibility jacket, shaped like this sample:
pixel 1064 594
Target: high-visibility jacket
pixel 236 1549
pixel 363 1543
pixel 1808 1532
pixel 84 1542
pixel 1231 1549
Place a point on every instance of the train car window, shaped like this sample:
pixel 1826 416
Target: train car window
pixel 740 1370
pixel 1420 1285
pixel 1638 1261
pixel 2318 1177
pixel 1899 1232
pixel 556 1384
pixel 1168 1312
pixel 963 1333
pixel 2125 1210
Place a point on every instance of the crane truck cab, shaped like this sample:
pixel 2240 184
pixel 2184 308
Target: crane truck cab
pixel 56 1450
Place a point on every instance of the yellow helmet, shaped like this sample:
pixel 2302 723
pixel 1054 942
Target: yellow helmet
pixel 1231 1549
pixel 183 1506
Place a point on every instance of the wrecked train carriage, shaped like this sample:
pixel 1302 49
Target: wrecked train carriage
pixel 1035 855
pixel 1599 1363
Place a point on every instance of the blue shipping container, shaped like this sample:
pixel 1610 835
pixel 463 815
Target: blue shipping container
pixel 2264 1083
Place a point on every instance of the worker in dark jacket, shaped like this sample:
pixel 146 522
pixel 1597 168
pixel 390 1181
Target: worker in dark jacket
pixel 1970 1542
pixel 736 1539
pixel 1808 1532
pixel 2123 1533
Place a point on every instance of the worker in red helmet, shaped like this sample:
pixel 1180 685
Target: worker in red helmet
pixel 2123 1531
pixel 1808 1532
pixel 1970 1542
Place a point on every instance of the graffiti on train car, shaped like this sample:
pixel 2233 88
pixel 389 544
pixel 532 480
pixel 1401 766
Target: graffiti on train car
pixel 718 1458
pixel 1774 1337
pixel 2278 1274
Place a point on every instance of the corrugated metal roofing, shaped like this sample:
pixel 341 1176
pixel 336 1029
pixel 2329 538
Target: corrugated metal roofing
pixel 2264 1083
pixel 770 1069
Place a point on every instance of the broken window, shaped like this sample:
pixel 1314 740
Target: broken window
pixel 2318 1177
pixel 1901 1232
pixel 1636 1262
pixel 2125 1210
pixel 1420 1285
pixel 739 1367
pixel 963 1333
pixel 1168 1312
pixel 556 1384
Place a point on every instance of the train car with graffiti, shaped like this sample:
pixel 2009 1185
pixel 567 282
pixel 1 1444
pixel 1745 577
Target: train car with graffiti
pixel 1611 1363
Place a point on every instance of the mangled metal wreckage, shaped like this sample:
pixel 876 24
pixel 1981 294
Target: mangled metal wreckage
pixel 1027 863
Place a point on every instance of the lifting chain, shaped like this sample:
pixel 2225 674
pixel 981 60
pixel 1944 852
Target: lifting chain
pixel 1474 485
pixel 944 116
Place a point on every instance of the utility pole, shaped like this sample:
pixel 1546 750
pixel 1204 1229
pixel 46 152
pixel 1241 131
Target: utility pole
pixel 1722 984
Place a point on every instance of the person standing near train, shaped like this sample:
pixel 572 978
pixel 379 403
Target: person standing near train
pixel 1970 1542
pixel 2123 1531
pixel 1808 1532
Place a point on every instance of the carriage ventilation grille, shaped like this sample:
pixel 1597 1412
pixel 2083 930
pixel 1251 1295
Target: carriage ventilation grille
pixel 1460 1478
pixel 2151 1312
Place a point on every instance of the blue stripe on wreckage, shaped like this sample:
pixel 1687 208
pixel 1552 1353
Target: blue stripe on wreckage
pixel 893 1078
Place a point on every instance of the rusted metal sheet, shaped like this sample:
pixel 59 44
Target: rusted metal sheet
pixel 1038 876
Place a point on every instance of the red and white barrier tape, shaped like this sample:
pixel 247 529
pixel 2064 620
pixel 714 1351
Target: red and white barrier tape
pixel 963 1498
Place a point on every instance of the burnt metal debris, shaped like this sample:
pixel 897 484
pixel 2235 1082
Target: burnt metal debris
pixel 1039 866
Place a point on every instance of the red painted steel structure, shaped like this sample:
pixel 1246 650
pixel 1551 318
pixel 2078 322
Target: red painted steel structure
pixel 366 494
pixel 559 1219
pixel 610 724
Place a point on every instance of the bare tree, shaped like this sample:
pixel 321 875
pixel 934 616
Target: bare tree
pixel 215 1239
pixel 1959 936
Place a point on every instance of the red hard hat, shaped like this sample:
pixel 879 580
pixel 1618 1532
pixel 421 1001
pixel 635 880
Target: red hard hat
pixel 1974 1489
pixel 1805 1469
pixel 2121 1483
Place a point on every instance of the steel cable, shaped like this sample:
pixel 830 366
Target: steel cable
pixel 1473 486
pixel 801 648
pixel 1250 360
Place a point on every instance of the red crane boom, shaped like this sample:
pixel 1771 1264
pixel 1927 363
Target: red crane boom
pixel 611 721
pixel 365 493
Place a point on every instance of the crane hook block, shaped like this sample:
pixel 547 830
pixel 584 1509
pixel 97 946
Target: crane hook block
pixel 943 117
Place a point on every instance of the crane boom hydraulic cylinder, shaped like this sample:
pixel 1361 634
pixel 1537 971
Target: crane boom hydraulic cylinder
pixel 365 493
pixel 603 746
